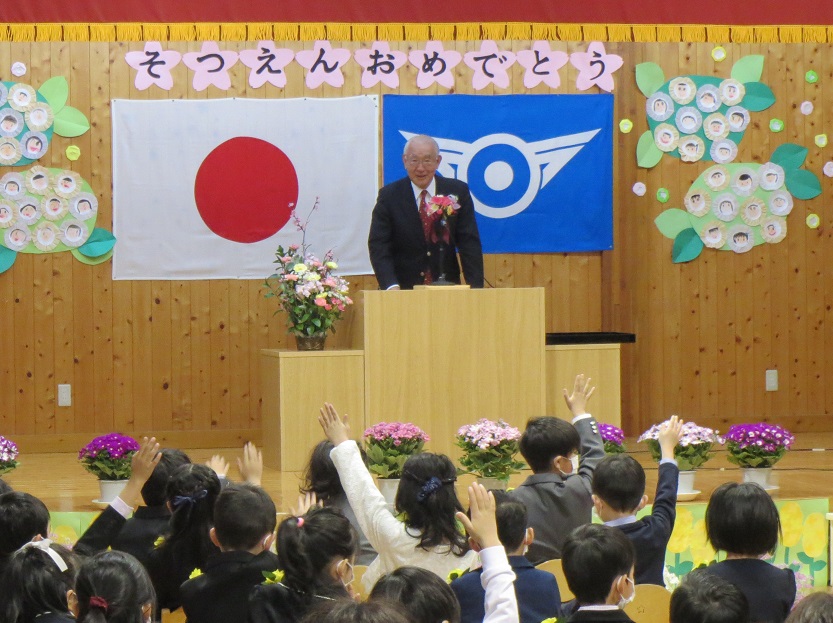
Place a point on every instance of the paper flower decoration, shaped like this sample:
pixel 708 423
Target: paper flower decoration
pixel 699 109
pixel 736 206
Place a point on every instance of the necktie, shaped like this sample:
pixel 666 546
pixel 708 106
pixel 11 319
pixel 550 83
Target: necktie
pixel 426 228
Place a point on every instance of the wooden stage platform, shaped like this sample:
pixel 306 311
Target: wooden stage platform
pixel 61 482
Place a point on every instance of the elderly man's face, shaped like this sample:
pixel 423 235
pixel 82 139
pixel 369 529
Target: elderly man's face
pixel 421 161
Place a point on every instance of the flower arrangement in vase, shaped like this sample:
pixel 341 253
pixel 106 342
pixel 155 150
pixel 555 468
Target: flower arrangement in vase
pixel 696 446
pixel 489 450
pixel 613 438
pixel 756 448
pixel 8 455
pixel 389 444
pixel 308 290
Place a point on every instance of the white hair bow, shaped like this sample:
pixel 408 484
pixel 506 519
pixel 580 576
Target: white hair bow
pixel 44 546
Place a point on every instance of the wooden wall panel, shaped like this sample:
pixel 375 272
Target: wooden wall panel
pixel 184 355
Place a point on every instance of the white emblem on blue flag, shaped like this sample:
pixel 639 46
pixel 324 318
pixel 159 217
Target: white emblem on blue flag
pixel 544 159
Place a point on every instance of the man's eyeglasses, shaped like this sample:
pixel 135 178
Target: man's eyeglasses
pixel 426 162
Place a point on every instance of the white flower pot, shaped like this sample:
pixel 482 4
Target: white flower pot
pixel 494 483
pixel 109 490
pixel 758 475
pixel 685 485
pixel 388 488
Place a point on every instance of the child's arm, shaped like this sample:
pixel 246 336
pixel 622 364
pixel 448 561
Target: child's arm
pixel 592 446
pixel 497 578
pixel 665 498
pixel 381 528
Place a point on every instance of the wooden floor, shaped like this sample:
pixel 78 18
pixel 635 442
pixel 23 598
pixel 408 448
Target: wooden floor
pixel 61 482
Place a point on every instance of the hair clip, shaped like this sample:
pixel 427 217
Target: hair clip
pixel 300 522
pixel 99 602
pixel 179 500
pixel 429 488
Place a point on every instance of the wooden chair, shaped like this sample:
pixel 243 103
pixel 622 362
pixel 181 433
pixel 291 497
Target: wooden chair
pixel 358 574
pixel 554 567
pixel 651 604
pixel 177 616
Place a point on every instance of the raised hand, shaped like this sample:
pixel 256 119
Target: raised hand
pixel 669 436
pixel 142 465
pixel 482 527
pixel 251 465
pixel 335 427
pixel 577 401
pixel 219 464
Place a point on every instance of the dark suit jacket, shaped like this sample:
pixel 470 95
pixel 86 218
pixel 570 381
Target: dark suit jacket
pixel 398 250
pixel 221 593
pixel 600 616
pixel 769 589
pixel 135 536
pixel 537 593
pixel 650 534
pixel 557 505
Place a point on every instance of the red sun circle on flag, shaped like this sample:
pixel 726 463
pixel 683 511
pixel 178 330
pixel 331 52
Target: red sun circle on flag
pixel 246 189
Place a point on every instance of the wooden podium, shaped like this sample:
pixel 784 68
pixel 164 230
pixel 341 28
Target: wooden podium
pixel 437 357
pixel 441 358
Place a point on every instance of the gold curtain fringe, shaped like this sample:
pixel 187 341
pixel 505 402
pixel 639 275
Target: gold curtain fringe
pixel 417 32
pixel 466 31
pixel 22 32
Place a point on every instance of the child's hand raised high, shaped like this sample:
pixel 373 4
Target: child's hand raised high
pixel 335 427
pixel 577 401
pixel 669 436
pixel 482 527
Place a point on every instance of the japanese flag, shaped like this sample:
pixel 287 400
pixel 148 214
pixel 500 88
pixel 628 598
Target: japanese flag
pixel 204 189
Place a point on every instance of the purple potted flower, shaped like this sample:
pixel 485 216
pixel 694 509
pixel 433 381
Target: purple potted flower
pixel 8 455
pixel 756 448
pixel 108 458
pixel 613 438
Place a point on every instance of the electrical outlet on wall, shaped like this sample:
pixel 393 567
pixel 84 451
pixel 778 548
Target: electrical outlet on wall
pixel 64 395
pixel 772 380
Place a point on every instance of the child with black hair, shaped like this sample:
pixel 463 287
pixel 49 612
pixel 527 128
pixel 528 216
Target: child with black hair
pixel 23 517
pixel 619 493
pixel 35 584
pixel 598 564
pixel 537 591
pixel 428 536
pixel 112 587
pixel 321 479
pixel 316 551
pixel 244 530
pixel 705 598
pixel 191 493
pixel 742 520
pixel 346 611
pixel 141 533
pixel 562 457
pixel 424 596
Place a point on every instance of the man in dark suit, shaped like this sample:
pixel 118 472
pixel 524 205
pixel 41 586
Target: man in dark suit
pixel 401 255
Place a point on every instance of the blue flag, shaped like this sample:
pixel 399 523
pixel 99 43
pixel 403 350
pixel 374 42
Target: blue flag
pixel 539 167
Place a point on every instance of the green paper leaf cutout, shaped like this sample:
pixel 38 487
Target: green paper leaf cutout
pixel 804 558
pixel 758 97
pixel 100 242
pixel 7 258
pixel 91 261
pixel 71 122
pixel 803 184
pixel 649 78
pixel 789 156
pixel 671 222
pixel 749 68
pixel 648 154
pixel 687 246
pixel 55 91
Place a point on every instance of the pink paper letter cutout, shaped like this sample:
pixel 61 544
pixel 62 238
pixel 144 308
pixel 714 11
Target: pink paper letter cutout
pixel 267 64
pixel 490 65
pixel 542 65
pixel 380 65
pixel 595 67
pixel 153 66
pixel 324 64
pixel 210 66
pixel 434 64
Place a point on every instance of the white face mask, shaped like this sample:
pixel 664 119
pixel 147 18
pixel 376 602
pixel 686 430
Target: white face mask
pixel 574 461
pixel 351 574
pixel 624 601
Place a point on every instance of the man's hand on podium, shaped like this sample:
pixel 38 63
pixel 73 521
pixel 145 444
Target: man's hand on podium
pixel 335 427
